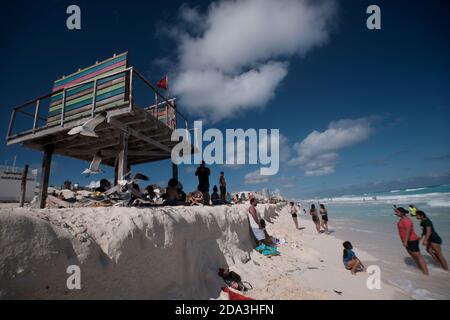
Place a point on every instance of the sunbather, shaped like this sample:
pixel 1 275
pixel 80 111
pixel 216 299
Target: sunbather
pixel 258 229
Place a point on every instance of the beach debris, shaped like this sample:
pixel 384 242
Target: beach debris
pixel 232 295
pixel 234 280
pixel 338 292
pixel 88 128
pixel 312 268
pixel 59 203
pixel 94 167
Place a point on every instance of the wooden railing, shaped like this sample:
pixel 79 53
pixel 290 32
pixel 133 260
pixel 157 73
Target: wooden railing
pixel 129 72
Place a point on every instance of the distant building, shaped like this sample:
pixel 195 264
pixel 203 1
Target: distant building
pixel 10 184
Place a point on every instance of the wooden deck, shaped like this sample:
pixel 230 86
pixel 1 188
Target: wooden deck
pixel 148 141
pixel 130 135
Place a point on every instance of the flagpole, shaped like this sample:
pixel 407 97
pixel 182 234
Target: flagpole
pixel 167 86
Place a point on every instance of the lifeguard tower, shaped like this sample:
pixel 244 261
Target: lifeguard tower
pixel 135 130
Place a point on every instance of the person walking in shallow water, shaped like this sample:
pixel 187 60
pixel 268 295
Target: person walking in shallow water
pixel 409 238
pixel 315 217
pixel 324 216
pixel 293 212
pixel 431 240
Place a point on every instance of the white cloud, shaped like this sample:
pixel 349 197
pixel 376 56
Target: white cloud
pixel 233 57
pixel 317 153
pixel 255 177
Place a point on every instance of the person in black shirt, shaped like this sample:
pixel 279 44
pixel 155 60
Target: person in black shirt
pixel 203 181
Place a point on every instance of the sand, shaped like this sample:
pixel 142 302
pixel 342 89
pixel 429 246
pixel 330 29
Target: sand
pixel 309 267
pixel 168 253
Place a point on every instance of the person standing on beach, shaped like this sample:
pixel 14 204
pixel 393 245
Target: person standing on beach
pixel 293 212
pixel 412 210
pixel 315 217
pixel 222 186
pixel 324 216
pixel 203 181
pixel 409 238
pixel 431 240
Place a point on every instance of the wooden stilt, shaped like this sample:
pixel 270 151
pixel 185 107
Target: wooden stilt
pixel 23 186
pixel 123 154
pixel 116 171
pixel 45 175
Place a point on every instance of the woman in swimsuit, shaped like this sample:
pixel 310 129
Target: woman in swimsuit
pixel 293 212
pixel 431 240
pixel 324 215
pixel 315 217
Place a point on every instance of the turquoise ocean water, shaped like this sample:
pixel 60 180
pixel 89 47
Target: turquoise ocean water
pixel 368 221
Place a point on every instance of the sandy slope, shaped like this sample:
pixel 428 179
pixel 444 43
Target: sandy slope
pixel 167 253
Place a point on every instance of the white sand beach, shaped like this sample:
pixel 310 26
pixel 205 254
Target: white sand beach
pixel 170 253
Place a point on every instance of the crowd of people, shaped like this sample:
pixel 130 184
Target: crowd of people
pixel 410 240
pixel 174 195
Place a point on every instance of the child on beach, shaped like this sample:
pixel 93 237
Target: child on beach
pixel 351 262
pixel 293 212
pixel 409 238
pixel 315 217
pixel 431 240
pixel 324 215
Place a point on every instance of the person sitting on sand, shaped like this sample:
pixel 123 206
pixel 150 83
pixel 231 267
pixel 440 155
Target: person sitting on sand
pixel 431 240
pixel 293 212
pixel 149 194
pixel 104 186
pixel 228 198
pixel 351 262
pixel 195 198
pixel 172 194
pixel 409 238
pixel 258 230
pixel 324 216
pixel 315 217
pixel 236 199
pixel 215 198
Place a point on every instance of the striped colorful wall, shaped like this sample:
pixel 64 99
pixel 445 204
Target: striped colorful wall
pixel 165 114
pixel 111 91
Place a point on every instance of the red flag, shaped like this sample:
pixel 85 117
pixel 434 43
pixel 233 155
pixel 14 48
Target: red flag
pixel 163 83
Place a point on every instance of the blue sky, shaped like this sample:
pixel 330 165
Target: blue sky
pixel 391 86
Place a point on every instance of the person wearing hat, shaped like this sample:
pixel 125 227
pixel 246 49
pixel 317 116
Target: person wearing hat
pixel 409 238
